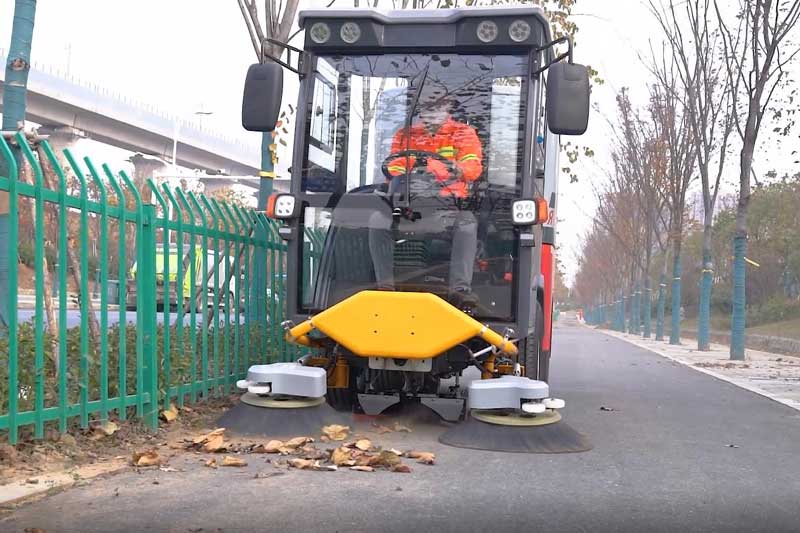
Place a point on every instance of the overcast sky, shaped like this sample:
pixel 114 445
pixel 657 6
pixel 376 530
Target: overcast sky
pixel 190 55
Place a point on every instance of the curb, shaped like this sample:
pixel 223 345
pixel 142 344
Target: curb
pixel 794 404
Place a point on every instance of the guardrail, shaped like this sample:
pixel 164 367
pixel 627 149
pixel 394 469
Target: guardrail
pixel 52 375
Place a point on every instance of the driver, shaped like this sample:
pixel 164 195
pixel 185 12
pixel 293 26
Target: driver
pixel 437 132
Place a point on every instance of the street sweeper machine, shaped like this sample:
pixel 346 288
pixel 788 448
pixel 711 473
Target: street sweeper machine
pixel 420 220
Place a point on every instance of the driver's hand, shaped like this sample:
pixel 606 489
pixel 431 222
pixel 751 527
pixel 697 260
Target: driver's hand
pixel 438 169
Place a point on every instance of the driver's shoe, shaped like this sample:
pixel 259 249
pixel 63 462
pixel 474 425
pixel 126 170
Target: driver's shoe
pixel 465 300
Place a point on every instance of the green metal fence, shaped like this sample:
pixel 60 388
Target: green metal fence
pixel 180 332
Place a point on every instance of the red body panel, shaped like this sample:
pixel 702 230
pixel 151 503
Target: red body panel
pixel 548 264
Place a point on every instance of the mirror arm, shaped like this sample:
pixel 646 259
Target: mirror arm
pixel 568 54
pixel 289 49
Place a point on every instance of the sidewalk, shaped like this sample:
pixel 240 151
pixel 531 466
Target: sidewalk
pixel 772 375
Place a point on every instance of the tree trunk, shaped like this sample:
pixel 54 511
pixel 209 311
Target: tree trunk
pixel 740 246
pixel 15 88
pixel 75 264
pixel 706 280
pixel 41 283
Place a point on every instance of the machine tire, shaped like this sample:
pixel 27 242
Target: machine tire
pixel 532 352
pixel 340 399
pixel 343 399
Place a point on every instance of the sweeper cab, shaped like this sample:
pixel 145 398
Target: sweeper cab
pixel 422 180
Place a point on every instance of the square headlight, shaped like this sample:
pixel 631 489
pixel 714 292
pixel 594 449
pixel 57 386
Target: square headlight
pixel 282 206
pixel 528 212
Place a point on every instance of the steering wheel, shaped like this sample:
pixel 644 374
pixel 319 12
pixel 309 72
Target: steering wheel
pixel 420 160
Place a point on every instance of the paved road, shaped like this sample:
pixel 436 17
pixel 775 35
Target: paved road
pixel 661 462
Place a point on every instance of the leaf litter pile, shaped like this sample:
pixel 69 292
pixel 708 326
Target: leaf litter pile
pixel 336 449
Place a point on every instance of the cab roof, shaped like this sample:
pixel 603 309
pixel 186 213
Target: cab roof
pixel 378 31
pixel 422 16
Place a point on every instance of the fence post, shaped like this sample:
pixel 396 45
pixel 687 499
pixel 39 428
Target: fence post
pixel 648 309
pixel 102 272
pixel 149 324
pixel 192 290
pixel 12 316
pixel 662 302
pixel 122 274
pixel 675 329
pixel 60 288
pixel 165 283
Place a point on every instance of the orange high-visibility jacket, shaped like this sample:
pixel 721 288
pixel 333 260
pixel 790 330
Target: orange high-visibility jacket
pixel 453 140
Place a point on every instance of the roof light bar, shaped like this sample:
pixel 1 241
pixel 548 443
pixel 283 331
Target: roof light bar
pixel 487 31
pixel 519 31
pixel 350 32
pixel 320 33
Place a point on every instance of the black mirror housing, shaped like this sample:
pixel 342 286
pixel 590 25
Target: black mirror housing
pixel 261 101
pixel 567 98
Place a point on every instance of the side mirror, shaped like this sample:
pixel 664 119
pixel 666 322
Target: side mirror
pixel 567 98
pixel 261 102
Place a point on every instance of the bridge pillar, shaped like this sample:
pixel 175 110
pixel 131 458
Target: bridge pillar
pixel 145 167
pixel 62 138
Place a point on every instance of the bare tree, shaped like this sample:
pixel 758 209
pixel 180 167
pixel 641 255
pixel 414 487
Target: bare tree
pixel 694 42
pixel 276 25
pixel 674 133
pixel 757 47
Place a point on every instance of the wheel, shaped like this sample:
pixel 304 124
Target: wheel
pixel 537 363
pixel 341 399
pixel 344 399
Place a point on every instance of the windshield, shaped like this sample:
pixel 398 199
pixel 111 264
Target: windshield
pixel 422 155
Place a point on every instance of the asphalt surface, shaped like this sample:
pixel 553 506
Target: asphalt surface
pixel 679 451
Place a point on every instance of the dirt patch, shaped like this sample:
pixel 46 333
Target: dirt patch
pixel 114 440
pixel 721 365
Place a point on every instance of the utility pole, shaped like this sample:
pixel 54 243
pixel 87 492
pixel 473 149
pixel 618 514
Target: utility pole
pixel 15 90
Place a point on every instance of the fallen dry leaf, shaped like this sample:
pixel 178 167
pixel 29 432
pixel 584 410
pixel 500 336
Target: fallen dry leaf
pixel 272 446
pixel 336 431
pixel 215 444
pixel 167 469
pixel 362 468
pixel 401 468
pixel 324 438
pixel 208 436
pixel 106 429
pixel 342 457
pixel 310 452
pixel 427 458
pixel 170 414
pixel 394 450
pixel 187 409
pixel 383 429
pixel 366 460
pixel 297 442
pixel 387 458
pixel 324 468
pixel 211 463
pixel 146 458
pixel 302 464
pixel 364 445
pixel 233 461
pixel 400 427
